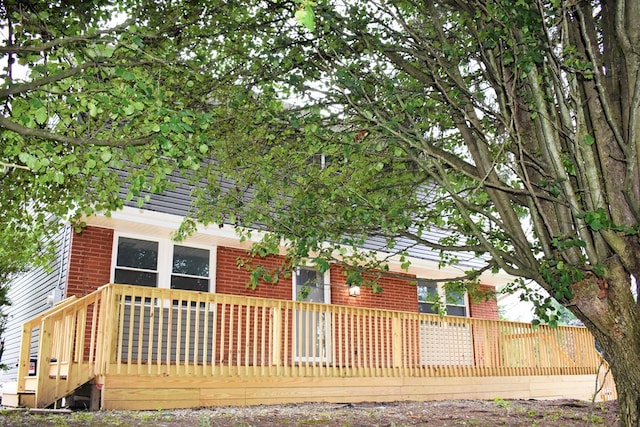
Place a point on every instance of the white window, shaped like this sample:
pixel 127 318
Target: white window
pixel 309 285
pixel 136 262
pixel 312 327
pixel 160 263
pixel 431 296
pixel 190 269
pixel 320 160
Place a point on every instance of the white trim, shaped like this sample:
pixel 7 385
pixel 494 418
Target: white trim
pixel 213 268
pixel 327 286
pixel 161 225
pixel 151 223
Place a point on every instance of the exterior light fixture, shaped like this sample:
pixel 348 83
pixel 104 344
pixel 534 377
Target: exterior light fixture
pixel 354 291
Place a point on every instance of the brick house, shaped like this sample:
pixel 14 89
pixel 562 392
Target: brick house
pixel 386 338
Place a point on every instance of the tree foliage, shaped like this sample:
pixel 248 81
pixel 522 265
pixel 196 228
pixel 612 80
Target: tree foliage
pixel 92 92
pixel 511 124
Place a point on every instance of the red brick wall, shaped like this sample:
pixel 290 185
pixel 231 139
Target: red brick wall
pixel 485 309
pixel 90 260
pixel 231 279
pixel 90 268
pixel 397 293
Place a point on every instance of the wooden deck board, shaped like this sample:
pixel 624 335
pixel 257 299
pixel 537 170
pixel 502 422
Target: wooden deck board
pixel 144 392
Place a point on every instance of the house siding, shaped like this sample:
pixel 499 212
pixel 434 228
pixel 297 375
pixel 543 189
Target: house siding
pixel 31 294
pixel 177 200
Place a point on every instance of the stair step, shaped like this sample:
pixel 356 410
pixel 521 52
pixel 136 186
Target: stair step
pixel 11 400
pixel 15 400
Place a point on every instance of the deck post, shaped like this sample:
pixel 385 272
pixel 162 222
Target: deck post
pixel 396 332
pixel 276 339
pixel 25 355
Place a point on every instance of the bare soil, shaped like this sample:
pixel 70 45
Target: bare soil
pixel 497 412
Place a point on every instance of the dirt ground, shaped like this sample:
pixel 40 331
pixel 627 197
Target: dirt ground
pixel 497 412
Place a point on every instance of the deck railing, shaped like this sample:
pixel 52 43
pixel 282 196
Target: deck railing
pixel 133 330
pixel 153 331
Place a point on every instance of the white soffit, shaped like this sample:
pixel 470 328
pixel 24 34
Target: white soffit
pixel 163 225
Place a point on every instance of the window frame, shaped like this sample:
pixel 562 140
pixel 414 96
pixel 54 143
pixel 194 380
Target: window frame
pixel 326 277
pixel 116 266
pixel 164 269
pixel 188 276
pixel 442 295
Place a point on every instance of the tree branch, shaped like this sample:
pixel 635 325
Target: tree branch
pixel 13 166
pixel 34 84
pixel 65 41
pixel 42 134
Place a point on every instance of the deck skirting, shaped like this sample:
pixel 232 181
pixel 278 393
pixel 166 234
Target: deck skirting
pixel 144 392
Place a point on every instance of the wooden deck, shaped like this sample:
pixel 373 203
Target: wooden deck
pixel 149 348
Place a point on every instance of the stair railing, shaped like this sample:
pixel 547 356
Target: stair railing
pixel 67 344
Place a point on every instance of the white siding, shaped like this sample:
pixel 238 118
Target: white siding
pixel 28 295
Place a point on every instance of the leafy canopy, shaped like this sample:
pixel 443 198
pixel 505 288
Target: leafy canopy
pixel 511 124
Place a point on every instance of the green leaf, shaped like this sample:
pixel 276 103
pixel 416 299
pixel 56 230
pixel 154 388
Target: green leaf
pixel 105 156
pixel 306 18
pixel 129 109
pixel 41 115
pixel 27 159
pixel 106 51
pixel 589 140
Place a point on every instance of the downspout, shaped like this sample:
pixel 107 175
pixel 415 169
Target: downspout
pixel 58 291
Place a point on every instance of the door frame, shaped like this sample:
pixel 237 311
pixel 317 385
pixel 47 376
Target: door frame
pixel 326 323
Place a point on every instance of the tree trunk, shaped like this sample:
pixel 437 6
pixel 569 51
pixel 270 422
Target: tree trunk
pixel 627 386
pixel 607 307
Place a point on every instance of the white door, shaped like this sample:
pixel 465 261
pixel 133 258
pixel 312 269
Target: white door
pixel 312 331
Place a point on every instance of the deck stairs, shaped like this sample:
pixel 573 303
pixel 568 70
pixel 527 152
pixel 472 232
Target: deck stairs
pixel 56 354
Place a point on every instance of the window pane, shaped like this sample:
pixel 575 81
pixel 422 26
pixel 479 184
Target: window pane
pixel 190 261
pixel 455 297
pixel 136 253
pixel 427 307
pixel 130 277
pixel 454 310
pixel 313 281
pixel 189 283
pixel 428 292
pixel 309 277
